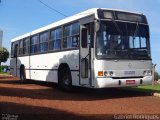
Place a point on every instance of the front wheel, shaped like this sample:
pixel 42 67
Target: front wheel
pixel 65 81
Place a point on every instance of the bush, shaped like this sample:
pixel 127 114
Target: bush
pixel 4 55
pixel 3 67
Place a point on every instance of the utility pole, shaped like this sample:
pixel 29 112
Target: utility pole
pixel 153 71
pixel 1 37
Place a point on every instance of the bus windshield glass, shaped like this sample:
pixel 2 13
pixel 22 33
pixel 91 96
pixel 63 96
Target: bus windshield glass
pixel 122 40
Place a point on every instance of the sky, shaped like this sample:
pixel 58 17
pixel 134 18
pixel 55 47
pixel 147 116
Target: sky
pixel 18 17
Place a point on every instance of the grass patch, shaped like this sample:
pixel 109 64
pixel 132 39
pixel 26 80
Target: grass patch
pixel 4 73
pixel 147 88
pixel 150 88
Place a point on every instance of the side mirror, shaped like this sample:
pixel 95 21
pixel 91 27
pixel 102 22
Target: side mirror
pixel 84 38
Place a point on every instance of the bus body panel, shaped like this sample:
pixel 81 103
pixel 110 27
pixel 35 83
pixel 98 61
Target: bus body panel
pixel 122 70
pixel 44 67
pixel 109 82
pixel 16 65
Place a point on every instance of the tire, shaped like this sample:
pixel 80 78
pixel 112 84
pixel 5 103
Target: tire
pixel 22 75
pixel 65 80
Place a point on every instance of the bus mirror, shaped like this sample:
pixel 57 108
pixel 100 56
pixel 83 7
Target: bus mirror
pixel 84 38
pixel 84 68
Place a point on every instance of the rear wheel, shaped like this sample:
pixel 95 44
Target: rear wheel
pixel 22 75
pixel 65 80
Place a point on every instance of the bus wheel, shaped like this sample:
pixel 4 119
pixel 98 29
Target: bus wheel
pixel 66 80
pixel 22 75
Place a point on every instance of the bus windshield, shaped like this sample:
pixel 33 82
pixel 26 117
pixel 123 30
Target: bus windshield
pixel 122 40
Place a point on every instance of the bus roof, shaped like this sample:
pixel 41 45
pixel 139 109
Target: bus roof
pixel 66 20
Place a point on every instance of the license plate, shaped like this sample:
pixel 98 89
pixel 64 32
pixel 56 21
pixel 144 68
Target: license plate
pixel 130 82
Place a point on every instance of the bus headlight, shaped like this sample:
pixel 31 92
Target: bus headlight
pixel 147 72
pixel 108 73
pixel 111 73
pixel 105 73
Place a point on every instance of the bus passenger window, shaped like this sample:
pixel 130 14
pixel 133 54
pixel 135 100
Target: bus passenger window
pixel 75 41
pixel 54 43
pixel 34 44
pixel 71 36
pixel 26 45
pixel 75 35
pixel 43 42
pixel 21 47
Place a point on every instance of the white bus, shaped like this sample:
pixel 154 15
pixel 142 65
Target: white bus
pixel 97 48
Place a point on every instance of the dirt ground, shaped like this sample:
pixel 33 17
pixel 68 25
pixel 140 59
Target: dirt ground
pixel 45 101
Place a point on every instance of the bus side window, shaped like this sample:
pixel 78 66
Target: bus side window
pixel 21 47
pixel 26 45
pixel 43 45
pixel 71 36
pixel 34 44
pixel 55 41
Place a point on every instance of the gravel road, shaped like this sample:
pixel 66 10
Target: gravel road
pixel 42 101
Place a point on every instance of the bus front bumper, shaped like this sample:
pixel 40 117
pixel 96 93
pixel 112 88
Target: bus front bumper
pixel 109 82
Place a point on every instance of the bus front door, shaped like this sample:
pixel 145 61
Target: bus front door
pixel 84 57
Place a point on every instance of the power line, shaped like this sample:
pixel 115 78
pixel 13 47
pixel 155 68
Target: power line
pixel 51 8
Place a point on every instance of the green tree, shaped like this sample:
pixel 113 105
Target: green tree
pixel 156 76
pixel 4 55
